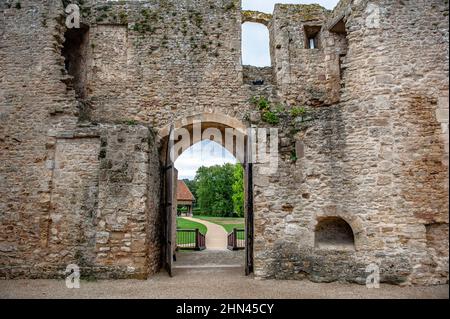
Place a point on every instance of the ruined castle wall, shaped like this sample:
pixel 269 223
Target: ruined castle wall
pixel 54 200
pixel 127 219
pixel 301 72
pixel 80 178
pixel 378 160
pixel 395 78
pixel 31 96
pixel 74 190
pixel 155 61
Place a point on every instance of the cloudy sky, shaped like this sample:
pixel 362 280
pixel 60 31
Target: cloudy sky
pixel 206 153
pixel 255 51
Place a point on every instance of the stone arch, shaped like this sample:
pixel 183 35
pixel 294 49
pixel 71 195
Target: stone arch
pixel 214 126
pixel 256 17
pixel 208 124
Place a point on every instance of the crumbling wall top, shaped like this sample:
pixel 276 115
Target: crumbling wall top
pixel 256 16
pixel 303 12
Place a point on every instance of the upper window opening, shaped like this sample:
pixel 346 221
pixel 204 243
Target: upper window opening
pixel 255 45
pixel 312 37
pixel 312 43
pixel 339 27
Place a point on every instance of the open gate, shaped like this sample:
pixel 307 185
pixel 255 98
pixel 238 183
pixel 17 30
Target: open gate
pixel 170 204
pixel 170 176
pixel 249 228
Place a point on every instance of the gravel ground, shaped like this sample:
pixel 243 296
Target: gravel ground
pixel 209 257
pixel 211 283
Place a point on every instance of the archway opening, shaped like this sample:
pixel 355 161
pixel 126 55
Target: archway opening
pixel 209 157
pixel 334 233
pixel 213 231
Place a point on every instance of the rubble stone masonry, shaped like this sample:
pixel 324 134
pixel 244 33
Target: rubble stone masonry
pixel 80 112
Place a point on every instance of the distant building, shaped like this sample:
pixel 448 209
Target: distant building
pixel 185 197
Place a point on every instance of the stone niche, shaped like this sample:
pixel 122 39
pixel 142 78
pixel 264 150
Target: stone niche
pixel 75 51
pixel 334 233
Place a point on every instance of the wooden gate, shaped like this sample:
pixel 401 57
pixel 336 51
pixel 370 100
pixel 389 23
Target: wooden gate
pixel 248 185
pixel 170 205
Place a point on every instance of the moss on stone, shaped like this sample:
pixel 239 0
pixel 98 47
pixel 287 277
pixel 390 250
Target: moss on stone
pixel 123 17
pixel 256 16
pixel 306 12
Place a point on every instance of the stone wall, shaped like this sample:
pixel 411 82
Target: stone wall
pixel 377 160
pixel 300 72
pixel 32 99
pixel 128 222
pixel 178 58
pixel 80 173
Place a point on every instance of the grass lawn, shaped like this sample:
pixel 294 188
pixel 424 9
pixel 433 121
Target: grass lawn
pixel 187 224
pixel 228 223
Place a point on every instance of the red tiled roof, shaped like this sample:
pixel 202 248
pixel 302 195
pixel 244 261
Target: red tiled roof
pixel 183 192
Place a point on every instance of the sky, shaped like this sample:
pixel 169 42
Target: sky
pixel 255 51
pixel 206 153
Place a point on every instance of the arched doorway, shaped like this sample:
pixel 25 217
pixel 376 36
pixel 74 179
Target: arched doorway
pixel 178 137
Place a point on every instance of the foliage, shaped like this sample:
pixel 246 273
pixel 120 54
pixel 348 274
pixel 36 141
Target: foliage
pixel 187 224
pixel 261 102
pixel 238 190
pixel 123 17
pixel 130 122
pixel 298 111
pixel 297 118
pixel 192 185
pixel 228 223
pixel 217 190
pixel 268 115
pixel 294 156
pixel 280 109
pixel 271 117
pixel 182 209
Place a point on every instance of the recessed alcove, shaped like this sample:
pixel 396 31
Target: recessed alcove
pixel 334 233
pixel 74 51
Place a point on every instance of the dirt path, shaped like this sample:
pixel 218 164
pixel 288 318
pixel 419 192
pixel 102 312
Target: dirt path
pixel 216 237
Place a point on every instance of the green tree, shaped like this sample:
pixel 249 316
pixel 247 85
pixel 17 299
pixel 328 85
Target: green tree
pixel 215 190
pixel 238 190
pixel 192 185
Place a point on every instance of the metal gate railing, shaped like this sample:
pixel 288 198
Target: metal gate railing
pixel 190 239
pixel 236 239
